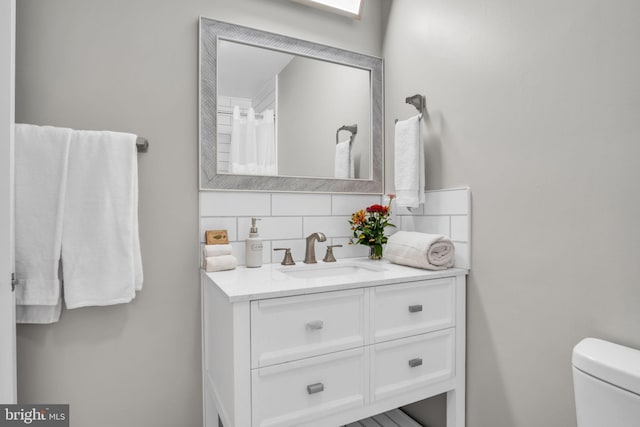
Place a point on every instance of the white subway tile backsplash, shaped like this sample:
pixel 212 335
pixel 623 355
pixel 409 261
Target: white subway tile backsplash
pixel 350 251
pixel 238 251
pixel 331 226
pixel 221 203
pixel 266 251
pixel 287 204
pixel 272 227
pixel 463 255
pixel 432 224
pixel 401 210
pixel 287 218
pixel 346 204
pixel 219 223
pixel 447 202
pixel 460 228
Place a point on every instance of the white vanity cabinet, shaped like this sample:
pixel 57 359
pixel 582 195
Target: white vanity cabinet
pixel 327 351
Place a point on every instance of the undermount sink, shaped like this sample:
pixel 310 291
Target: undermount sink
pixel 312 271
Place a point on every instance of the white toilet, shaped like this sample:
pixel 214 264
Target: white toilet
pixel 606 382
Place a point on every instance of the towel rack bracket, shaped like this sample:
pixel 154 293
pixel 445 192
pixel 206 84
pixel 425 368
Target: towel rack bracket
pixel 353 129
pixel 417 101
pixel 142 144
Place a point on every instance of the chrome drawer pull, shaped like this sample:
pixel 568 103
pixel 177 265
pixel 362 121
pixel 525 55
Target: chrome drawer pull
pixel 316 324
pixel 415 308
pixel 315 388
pixel 415 362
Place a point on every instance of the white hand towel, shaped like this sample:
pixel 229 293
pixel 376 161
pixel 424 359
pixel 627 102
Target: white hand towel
pixel 409 163
pixel 220 263
pixel 41 163
pixel 343 160
pixel 100 250
pixel 217 250
pixel 422 250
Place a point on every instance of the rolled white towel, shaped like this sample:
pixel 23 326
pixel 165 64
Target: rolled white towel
pixel 220 263
pixel 422 250
pixel 217 250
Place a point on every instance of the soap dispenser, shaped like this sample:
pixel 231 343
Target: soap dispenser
pixel 253 247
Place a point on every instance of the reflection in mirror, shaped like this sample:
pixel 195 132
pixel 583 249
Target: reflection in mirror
pixel 282 114
pixel 310 100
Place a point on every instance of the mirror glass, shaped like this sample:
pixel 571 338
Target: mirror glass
pixel 282 114
pixel 300 108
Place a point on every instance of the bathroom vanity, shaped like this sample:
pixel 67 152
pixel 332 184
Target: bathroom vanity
pixel 331 343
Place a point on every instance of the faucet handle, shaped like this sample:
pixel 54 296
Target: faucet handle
pixel 288 259
pixel 328 257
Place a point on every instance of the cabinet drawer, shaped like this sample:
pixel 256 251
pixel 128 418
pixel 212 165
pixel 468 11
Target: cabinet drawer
pixel 403 365
pixel 291 328
pixel 413 308
pixel 296 392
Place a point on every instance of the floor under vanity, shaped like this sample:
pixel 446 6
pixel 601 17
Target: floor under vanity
pixel 302 346
pixel 393 418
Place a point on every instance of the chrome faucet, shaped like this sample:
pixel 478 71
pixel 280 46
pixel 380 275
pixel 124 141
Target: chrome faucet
pixel 310 253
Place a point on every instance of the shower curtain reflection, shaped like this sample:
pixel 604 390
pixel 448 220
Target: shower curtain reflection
pixel 253 150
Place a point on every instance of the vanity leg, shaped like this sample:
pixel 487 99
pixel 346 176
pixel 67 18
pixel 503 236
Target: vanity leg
pixel 455 408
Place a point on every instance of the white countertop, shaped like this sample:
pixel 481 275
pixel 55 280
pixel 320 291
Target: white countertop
pixel 273 281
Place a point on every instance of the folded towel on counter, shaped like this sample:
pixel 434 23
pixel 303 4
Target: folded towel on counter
pixel 428 251
pixel 220 263
pixel 41 165
pixel 409 163
pixel 343 161
pixel 216 250
pixel 101 247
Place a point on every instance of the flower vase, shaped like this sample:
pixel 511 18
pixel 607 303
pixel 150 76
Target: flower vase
pixel 375 252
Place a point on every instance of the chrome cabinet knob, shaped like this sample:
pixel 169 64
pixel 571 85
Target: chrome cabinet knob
pixel 415 362
pixel 415 308
pixel 315 325
pixel 315 388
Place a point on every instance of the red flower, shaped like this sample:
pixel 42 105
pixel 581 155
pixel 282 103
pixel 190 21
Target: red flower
pixel 378 209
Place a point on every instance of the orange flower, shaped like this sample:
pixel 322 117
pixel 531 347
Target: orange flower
pixel 359 218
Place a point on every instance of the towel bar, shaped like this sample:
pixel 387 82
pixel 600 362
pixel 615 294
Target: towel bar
pixel 353 129
pixel 142 144
pixel 418 101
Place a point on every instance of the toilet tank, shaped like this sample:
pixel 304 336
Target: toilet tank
pixel 606 382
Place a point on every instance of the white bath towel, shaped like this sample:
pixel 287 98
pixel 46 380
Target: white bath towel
pixel 38 314
pixel 217 250
pixel 220 263
pixel 422 250
pixel 41 163
pixel 101 250
pixel 343 160
pixel 409 163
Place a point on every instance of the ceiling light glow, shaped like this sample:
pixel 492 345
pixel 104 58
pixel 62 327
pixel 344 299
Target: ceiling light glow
pixel 351 8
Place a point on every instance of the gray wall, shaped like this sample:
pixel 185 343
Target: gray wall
pixel 535 106
pixel 315 99
pixel 132 66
